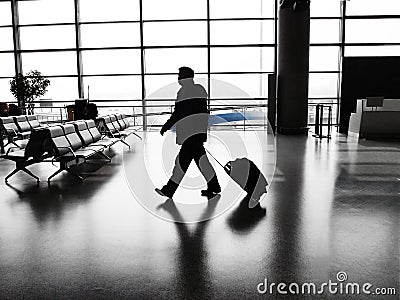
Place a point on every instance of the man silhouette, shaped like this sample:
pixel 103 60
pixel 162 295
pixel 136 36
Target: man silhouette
pixel 190 118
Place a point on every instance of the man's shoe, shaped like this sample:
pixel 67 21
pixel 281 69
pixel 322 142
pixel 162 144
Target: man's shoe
pixel 163 193
pixel 210 193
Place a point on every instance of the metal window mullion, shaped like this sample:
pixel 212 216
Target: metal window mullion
pixel 78 45
pixel 142 66
pixel 341 56
pixel 16 37
pixel 208 53
pixel 17 45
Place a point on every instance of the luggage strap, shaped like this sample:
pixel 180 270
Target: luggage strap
pixel 214 158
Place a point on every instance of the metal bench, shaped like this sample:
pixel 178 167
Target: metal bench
pixel 37 149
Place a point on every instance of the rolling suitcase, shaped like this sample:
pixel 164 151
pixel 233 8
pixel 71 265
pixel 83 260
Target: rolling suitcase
pixel 248 176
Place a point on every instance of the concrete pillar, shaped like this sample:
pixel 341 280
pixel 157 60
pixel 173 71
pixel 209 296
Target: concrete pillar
pixel 293 66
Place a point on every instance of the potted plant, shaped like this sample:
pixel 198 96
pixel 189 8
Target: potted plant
pixel 27 88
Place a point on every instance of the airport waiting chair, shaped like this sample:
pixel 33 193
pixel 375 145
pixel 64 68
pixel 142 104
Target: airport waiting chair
pixel 69 149
pixel 9 128
pixel 37 149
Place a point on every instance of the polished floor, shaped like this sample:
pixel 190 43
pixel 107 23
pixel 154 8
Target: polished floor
pixel 332 207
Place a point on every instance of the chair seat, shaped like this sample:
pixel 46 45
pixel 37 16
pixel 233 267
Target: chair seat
pixel 15 154
pixel 106 142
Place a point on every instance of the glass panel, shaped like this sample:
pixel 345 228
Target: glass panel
pixel 106 10
pixel 175 33
pixel 246 59
pixel 110 35
pixel 372 50
pixel 161 87
pixel 5 94
pixel 325 31
pixel 242 32
pixel 5 13
pixel 174 9
pixel 373 7
pixel 325 8
pixel 242 9
pixel 6 38
pixel 322 85
pixel 239 86
pixel 324 58
pixel 373 31
pixel 166 87
pixel 47 37
pixel 111 62
pixel 169 60
pixel 51 63
pixel 121 107
pixel 46 12
pixel 7 67
pixel 114 87
pixel 62 89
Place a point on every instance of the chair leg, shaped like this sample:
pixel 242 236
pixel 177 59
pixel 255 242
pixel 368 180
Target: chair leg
pixel 76 175
pixel 137 135
pixel 126 143
pixel 11 174
pixel 105 156
pixel 12 143
pixel 54 174
pixel 31 174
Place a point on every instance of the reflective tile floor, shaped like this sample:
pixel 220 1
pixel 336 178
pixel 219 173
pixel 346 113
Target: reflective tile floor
pixel 332 207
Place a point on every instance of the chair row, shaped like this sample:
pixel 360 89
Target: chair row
pixel 69 144
pixel 116 125
pixel 19 127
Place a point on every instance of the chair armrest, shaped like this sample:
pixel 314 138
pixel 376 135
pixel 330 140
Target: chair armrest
pixel 10 130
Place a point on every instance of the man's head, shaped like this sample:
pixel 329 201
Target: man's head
pixel 185 75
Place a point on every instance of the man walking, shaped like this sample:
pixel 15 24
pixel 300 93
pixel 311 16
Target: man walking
pixel 190 118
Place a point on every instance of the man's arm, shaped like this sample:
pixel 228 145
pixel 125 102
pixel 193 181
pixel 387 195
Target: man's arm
pixel 170 122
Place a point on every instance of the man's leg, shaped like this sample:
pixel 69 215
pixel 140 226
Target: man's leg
pixel 182 163
pixel 205 167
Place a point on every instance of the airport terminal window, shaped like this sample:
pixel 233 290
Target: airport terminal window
pixel 47 37
pixel 166 60
pixel 325 8
pixel 242 32
pixel 324 58
pixel 372 50
pixel 5 13
pixel 110 35
pixel 6 38
pixel 254 85
pixel 113 87
pixel 242 59
pixel 324 31
pixel 38 12
pixel 111 62
pixel 7 65
pixel 175 33
pixel 373 31
pixel 5 94
pixel 106 10
pixel 373 7
pixel 323 85
pixel 174 9
pixel 161 87
pixel 50 63
pixel 62 90
pixel 242 9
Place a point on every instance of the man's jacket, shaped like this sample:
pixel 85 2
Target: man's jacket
pixel 190 116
